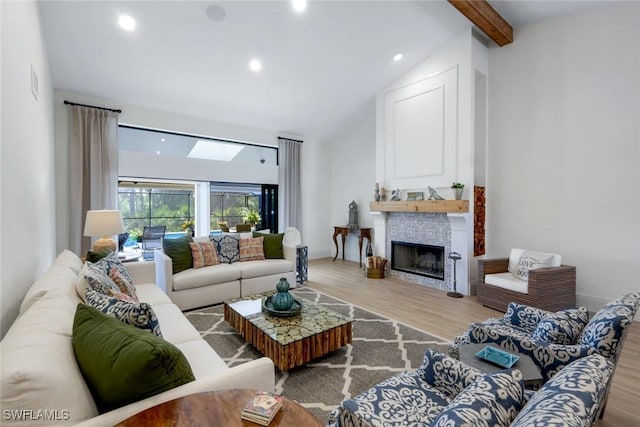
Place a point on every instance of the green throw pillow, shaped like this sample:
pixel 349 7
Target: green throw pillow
pixel 272 245
pixel 178 249
pixel 123 364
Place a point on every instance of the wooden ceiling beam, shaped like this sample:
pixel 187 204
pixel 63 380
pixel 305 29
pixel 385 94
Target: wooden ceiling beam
pixel 487 19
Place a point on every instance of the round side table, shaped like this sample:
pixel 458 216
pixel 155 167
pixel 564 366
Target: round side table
pixel 217 408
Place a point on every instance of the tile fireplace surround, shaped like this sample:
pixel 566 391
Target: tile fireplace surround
pixel 450 230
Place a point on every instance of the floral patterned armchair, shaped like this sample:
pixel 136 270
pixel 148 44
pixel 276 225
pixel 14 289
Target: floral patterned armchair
pixel 554 340
pixel 447 392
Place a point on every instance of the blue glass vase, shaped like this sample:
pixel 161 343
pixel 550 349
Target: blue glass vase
pixel 283 300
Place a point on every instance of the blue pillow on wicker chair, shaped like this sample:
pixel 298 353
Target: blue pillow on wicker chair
pixel 562 327
pixel 491 400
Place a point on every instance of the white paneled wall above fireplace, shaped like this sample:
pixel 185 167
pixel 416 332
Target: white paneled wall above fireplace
pixel 420 139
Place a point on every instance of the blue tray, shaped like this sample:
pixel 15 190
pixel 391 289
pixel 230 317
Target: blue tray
pixel 498 357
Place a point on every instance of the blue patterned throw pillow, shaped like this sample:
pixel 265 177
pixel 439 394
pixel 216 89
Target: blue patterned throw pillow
pixel 523 316
pixel 446 374
pixel 491 400
pixel 228 247
pixel 140 314
pixel 605 330
pixel 562 327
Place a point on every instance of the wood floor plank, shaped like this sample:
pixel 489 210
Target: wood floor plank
pixel 432 311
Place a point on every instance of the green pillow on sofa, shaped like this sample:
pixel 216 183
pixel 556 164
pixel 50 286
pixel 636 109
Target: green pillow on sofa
pixel 123 364
pixel 178 249
pixel 272 245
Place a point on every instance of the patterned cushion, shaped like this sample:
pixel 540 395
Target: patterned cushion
pixel 446 374
pixel 251 249
pixel 605 331
pixel 227 246
pixel 571 398
pixel 562 327
pixel 204 254
pixel 491 400
pixel 523 316
pixel 112 267
pixel 100 282
pixel 403 399
pixel 530 260
pixel 140 315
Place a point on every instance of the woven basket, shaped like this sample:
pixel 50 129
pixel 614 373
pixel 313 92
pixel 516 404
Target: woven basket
pixel 375 273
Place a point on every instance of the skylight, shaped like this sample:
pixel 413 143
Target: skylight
pixel 215 150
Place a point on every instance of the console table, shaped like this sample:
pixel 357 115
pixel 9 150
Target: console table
pixel 362 233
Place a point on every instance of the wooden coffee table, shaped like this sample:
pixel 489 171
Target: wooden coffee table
pixel 289 341
pixel 530 372
pixel 217 408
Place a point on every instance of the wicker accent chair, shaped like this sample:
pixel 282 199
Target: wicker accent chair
pixel 548 288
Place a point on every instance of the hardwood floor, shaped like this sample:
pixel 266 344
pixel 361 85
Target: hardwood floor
pixel 432 311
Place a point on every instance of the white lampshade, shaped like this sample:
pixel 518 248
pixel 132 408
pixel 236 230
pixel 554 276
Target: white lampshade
pixel 103 224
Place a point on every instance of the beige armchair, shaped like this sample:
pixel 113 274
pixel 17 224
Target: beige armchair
pixel 550 288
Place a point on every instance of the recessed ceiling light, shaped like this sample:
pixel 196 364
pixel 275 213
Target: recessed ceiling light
pixel 162 139
pixel 255 65
pixel 299 5
pixel 127 22
pixel 158 152
pixel 397 57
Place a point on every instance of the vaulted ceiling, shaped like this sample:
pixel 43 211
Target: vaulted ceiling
pixel 319 67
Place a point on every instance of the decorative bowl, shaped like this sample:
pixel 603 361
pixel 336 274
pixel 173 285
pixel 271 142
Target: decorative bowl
pixel 267 307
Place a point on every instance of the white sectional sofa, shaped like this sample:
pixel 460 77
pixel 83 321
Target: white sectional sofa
pixel 39 369
pixel 214 284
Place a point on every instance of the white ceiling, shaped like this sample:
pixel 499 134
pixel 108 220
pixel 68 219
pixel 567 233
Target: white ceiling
pixel 319 67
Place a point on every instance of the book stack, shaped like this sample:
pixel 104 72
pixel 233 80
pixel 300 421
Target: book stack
pixel 262 407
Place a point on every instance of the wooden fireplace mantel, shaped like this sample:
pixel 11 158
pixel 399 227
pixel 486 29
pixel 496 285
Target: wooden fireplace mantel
pixel 426 206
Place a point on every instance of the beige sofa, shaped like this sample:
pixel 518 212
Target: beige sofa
pixel 41 382
pixel 198 287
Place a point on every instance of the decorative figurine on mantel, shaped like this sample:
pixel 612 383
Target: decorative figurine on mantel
pixel 395 195
pixel 433 194
pixel 353 215
pixel 376 195
pixel 383 194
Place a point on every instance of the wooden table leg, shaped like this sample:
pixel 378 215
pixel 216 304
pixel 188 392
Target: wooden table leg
pixel 336 231
pixel 344 237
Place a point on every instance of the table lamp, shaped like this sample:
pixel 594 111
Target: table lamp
pixel 103 224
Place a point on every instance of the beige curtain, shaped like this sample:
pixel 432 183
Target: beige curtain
pixel 93 168
pixel 289 183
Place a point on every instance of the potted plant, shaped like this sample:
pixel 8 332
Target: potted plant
pixel 251 216
pixel 457 189
pixel 189 227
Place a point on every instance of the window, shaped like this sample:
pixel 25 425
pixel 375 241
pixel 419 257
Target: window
pixel 153 203
pixel 229 202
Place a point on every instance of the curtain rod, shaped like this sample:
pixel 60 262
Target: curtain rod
pixel 294 140
pixel 92 106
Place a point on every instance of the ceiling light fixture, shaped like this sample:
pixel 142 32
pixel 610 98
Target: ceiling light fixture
pixel 299 5
pixel 397 57
pixel 127 22
pixel 255 65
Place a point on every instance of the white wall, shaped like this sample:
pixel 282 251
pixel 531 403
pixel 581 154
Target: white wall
pixel 27 225
pixel 564 137
pixel 351 174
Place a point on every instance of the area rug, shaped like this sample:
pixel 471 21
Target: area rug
pixel 381 347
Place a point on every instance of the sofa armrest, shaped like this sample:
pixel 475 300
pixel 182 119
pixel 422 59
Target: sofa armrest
pixel 257 374
pixel 492 266
pixel 142 272
pixel 554 282
pixel 289 253
pixel 164 272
